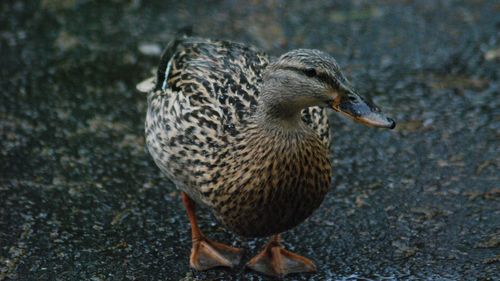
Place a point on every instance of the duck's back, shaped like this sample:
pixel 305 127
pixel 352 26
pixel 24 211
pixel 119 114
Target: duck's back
pixel 218 74
pixel 205 91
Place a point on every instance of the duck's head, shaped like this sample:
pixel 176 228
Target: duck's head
pixel 303 78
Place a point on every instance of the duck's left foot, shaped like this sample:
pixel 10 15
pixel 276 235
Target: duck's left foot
pixel 278 262
pixel 207 254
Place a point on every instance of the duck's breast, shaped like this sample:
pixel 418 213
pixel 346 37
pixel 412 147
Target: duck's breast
pixel 270 185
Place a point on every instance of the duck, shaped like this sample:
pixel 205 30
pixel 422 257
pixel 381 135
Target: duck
pixel 247 136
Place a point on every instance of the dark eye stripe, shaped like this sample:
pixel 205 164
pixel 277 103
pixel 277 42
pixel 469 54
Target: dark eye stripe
pixel 323 77
pixel 327 79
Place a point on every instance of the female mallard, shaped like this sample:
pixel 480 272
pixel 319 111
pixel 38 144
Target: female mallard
pixel 248 138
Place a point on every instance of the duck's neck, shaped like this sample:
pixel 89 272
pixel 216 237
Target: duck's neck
pixel 274 114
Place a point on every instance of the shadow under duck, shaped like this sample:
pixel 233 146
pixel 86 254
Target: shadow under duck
pixel 248 137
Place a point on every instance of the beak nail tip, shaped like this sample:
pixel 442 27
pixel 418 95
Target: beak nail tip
pixel 393 124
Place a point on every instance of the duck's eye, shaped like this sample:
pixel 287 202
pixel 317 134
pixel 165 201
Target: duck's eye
pixel 310 72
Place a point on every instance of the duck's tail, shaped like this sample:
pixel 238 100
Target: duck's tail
pixel 160 80
pixel 168 53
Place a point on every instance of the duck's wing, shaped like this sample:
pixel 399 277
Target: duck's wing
pixel 202 90
pixel 220 75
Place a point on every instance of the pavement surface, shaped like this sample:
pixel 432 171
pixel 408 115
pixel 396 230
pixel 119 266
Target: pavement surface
pixel 80 199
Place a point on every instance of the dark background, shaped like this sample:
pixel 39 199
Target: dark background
pixel 80 199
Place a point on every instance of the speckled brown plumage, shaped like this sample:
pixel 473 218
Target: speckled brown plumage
pixel 201 131
pixel 270 185
pixel 247 136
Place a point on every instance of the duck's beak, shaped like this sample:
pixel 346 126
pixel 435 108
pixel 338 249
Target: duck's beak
pixel 361 110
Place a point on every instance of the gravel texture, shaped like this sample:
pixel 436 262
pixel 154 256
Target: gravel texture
pixel 80 199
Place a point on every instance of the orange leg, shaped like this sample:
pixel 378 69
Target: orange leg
pixel 206 254
pixel 273 260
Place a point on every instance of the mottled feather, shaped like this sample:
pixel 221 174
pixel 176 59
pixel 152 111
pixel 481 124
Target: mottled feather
pixel 198 133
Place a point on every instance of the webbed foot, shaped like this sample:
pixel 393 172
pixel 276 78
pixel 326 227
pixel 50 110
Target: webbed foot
pixel 207 254
pixel 278 262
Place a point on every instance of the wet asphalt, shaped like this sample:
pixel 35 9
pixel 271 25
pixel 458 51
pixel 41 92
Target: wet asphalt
pixel 80 199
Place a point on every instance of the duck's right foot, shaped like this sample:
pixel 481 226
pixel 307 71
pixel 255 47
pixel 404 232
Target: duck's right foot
pixel 278 262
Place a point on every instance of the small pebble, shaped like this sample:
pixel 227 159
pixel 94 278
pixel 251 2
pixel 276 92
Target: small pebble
pixel 150 49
